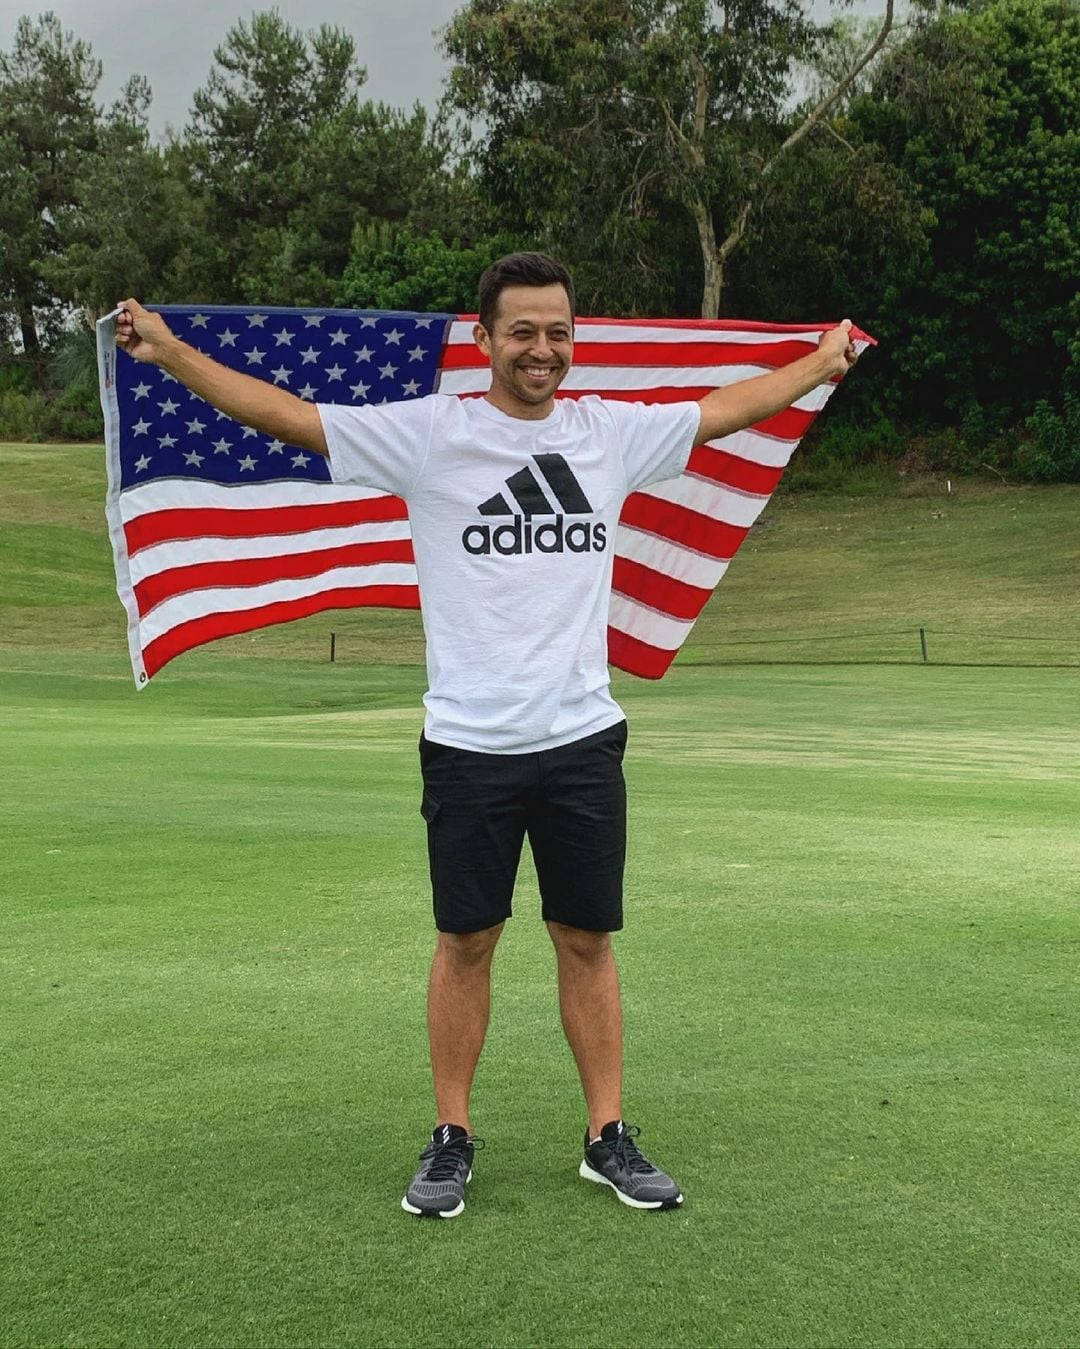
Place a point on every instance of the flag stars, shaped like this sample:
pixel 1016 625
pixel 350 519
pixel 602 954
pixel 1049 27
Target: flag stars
pixel 364 354
pixel 249 431
pixel 335 371
pixel 339 338
pixel 367 323
pixel 276 446
pixel 194 458
pixel 222 446
pixel 168 407
pixel 199 320
pixel 256 320
pixel 313 320
pixel 393 337
pixel 228 338
pixel 417 354
pixel 300 460
pixel 360 390
pixel 196 427
pixel 424 323
pixel 388 371
pixel 308 391
pixel 141 390
pixel 247 464
pixel 255 356
pixel 142 463
pixel 280 375
pixel 411 389
pixel 284 337
pixel 141 427
pixel 310 355
pixel 166 442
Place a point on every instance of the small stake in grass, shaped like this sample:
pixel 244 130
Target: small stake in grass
pixel 922 643
pixel 333 643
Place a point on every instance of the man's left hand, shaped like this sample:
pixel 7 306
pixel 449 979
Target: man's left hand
pixel 837 345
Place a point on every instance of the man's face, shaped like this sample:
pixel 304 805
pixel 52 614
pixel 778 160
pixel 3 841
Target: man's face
pixel 532 344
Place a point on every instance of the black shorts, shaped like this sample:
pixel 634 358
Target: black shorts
pixel 571 801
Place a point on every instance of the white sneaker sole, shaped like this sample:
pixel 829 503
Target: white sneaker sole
pixel 586 1172
pixel 433 1212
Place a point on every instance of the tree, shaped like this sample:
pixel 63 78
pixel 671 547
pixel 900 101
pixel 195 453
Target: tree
pixel 283 159
pixel 130 219
pixel 48 122
pixel 394 268
pixel 614 121
pixel 981 112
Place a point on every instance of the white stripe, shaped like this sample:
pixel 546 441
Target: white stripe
pixel 755 448
pixel 166 494
pixel 205 548
pixel 708 498
pixel 237 599
pixel 461 334
pixel 603 378
pixel 636 620
pixel 682 564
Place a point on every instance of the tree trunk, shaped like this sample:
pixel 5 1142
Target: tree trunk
pixel 712 262
pixel 29 329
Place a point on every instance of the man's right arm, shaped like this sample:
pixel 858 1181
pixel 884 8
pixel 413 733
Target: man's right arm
pixel 252 402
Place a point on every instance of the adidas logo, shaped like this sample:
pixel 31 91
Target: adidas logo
pixel 521 534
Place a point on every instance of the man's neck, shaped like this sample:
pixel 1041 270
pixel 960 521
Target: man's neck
pixel 517 407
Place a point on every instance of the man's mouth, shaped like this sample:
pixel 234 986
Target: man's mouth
pixel 538 371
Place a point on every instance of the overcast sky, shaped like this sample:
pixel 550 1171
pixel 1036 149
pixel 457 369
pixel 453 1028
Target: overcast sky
pixel 172 43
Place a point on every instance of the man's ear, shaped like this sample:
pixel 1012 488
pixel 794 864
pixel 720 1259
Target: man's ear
pixel 480 337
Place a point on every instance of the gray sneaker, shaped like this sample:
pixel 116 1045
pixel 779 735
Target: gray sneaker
pixel 615 1160
pixel 438 1188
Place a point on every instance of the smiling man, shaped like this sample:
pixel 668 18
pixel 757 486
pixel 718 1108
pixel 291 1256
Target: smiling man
pixel 513 501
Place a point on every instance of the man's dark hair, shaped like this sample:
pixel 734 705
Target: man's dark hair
pixel 520 269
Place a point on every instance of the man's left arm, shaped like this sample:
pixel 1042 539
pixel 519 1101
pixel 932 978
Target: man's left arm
pixel 753 400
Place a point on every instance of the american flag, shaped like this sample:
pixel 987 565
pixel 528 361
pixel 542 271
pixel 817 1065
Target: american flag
pixel 218 529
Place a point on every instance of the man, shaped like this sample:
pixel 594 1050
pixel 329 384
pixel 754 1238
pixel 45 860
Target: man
pixel 513 504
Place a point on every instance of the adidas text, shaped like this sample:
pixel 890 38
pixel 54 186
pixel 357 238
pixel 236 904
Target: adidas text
pixel 522 536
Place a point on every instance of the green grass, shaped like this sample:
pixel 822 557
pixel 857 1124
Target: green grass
pixel 989 571
pixel 850 976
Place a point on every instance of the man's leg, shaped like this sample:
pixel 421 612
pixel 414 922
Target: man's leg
pixel 591 1017
pixel 459 1003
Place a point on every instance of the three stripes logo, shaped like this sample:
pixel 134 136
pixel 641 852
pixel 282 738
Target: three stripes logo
pixel 522 533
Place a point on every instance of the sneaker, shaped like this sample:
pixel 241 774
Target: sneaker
pixel 615 1160
pixel 438 1188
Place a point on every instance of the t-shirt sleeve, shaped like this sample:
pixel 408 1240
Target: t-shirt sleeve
pixel 655 439
pixel 380 445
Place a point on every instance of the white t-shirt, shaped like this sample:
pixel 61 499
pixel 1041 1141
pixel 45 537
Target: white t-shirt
pixel 513 525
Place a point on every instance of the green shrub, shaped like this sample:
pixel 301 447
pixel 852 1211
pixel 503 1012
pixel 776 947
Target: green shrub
pixel 1053 453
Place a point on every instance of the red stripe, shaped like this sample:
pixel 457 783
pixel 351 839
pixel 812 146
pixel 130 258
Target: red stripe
pixel 253 571
pixel 678 599
pixel 731 471
pixel 246 523
pixel 198 631
pixel 666 355
pixel 637 657
pixel 712 325
pixel 715 538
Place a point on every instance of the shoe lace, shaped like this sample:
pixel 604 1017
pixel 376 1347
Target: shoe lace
pixel 629 1153
pixel 446 1158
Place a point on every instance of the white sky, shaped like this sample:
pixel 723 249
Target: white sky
pixel 173 43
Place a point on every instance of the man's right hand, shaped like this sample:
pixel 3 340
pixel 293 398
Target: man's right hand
pixel 143 335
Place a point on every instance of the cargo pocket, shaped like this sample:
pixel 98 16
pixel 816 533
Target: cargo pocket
pixel 429 809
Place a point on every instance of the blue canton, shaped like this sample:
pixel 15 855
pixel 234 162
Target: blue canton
pixel 322 355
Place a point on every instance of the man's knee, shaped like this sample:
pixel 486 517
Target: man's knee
pixel 469 948
pixel 576 943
